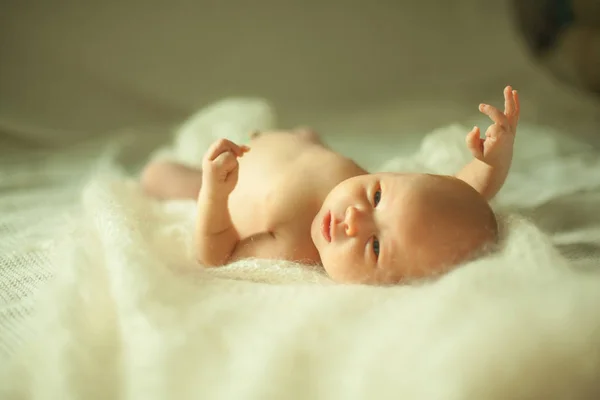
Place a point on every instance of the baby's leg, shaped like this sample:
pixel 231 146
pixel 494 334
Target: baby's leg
pixel 168 180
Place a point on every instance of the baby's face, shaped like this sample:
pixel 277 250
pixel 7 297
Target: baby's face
pixel 385 228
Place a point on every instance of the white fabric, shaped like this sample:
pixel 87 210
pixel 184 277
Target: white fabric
pixel 37 190
pixel 129 314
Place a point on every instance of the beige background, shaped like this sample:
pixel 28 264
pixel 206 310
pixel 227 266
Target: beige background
pixel 69 69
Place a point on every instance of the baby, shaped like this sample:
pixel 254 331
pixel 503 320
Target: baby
pixel 288 196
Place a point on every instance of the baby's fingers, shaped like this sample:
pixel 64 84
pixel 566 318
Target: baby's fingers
pixel 514 118
pixel 244 149
pixel 511 107
pixel 509 102
pixel 475 143
pixel 495 115
pixel 223 146
pixel 238 150
pixel 225 162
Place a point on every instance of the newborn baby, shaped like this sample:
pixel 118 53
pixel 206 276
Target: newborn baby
pixel 288 196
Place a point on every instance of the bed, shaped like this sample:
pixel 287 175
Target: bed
pixel 101 299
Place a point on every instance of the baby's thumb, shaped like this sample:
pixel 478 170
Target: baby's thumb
pixel 475 143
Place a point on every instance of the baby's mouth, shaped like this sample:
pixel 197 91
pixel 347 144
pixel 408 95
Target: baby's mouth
pixel 326 227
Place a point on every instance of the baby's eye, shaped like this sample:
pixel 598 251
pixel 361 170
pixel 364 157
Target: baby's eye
pixel 377 197
pixel 376 247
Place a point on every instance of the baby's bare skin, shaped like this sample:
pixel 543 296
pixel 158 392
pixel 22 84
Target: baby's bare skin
pixel 287 196
pixel 283 179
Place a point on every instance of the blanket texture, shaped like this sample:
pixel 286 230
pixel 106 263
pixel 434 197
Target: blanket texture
pixel 129 315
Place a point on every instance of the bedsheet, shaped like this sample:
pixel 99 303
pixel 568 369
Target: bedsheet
pixel 129 315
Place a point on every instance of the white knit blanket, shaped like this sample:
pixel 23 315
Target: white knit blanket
pixel 130 316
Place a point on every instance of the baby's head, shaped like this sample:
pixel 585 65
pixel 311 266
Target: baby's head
pixel 387 228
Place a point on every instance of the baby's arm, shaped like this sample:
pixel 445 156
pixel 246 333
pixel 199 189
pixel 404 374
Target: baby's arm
pixel 484 178
pixel 493 155
pixel 216 237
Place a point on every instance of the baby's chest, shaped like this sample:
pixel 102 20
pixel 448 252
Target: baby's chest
pixel 271 202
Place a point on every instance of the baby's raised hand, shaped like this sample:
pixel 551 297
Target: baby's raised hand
pixel 220 168
pixel 496 149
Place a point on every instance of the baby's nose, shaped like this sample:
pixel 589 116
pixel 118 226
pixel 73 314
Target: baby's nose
pixel 351 221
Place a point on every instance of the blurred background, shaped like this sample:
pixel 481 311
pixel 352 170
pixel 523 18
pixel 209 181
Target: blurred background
pixel 71 70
